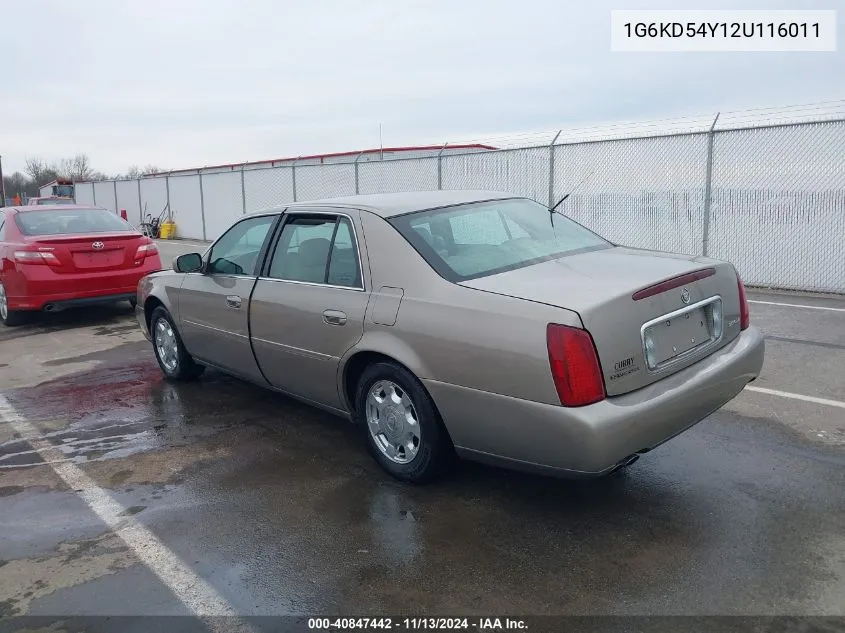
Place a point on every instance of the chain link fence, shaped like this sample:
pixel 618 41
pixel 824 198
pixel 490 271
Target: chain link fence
pixel 769 199
pixel 407 174
pixel 268 187
pixel 778 205
pixel 645 193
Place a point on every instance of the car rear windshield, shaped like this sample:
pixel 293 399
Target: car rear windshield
pixel 479 239
pixel 44 201
pixel 69 222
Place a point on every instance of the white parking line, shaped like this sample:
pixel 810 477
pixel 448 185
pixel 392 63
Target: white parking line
pixel 797 305
pixel 183 242
pixel 195 593
pixel 797 396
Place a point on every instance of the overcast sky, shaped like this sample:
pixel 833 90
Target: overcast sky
pixel 187 83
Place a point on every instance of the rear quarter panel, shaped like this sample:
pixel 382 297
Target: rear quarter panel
pixel 453 334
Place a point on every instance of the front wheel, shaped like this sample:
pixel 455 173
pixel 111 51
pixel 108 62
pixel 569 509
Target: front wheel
pixel 10 317
pixel 172 357
pixel 400 423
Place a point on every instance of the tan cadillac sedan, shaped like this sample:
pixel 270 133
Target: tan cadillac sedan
pixel 461 322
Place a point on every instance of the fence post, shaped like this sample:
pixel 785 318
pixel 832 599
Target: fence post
pixel 94 193
pixel 140 203
pixel 293 177
pixel 243 191
pixel 440 166
pixel 116 205
pixel 705 233
pixel 552 169
pixel 357 158
pixel 202 207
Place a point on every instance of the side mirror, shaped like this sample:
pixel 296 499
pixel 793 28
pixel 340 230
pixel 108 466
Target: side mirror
pixel 188 263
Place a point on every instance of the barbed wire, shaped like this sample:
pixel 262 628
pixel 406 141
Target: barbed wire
pixel 752 117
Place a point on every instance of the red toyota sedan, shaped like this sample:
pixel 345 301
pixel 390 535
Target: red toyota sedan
pixel 55 257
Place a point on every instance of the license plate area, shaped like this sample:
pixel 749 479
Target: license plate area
pixel 679 335
pixel 98 259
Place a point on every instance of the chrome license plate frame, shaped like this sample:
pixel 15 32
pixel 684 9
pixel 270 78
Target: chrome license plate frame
pixel 663 348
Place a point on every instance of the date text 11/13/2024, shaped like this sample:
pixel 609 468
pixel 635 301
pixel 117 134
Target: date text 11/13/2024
pixel 364 624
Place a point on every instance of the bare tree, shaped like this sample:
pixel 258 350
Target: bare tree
pixel 136 172
pixel 39 171
pixel 19 185
pixel 35 167
pixel 76 168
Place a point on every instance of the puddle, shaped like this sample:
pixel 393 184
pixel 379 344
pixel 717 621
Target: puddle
pixel 110 415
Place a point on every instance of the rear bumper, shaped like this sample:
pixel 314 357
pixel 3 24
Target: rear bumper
pixel 71 299
pixel 35 289
pixel 55 306
pixel 592 440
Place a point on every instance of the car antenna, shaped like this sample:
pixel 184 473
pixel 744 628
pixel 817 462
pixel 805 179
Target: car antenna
pixel 573 190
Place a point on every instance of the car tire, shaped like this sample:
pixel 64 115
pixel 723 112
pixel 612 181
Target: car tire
pixel 170 352
pixel 133 303
pixel 433 452
pixel 11 318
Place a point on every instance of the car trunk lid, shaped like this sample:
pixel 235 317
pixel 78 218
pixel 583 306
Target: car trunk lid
pixel 81 253
pixel 650 313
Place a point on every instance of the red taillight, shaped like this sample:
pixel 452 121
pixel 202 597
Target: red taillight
pixel 144 250
pixel 36 257
pixel 575 365
pixel 744 311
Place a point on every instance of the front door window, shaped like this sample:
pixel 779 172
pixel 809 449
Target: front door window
pixel 236 252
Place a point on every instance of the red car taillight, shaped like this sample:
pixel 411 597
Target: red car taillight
pixel 575 365
pixel 744 311
pixel 36 257
pixel 144 250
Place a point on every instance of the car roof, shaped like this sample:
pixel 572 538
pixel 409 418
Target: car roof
pixel 51 207
pixel 392 204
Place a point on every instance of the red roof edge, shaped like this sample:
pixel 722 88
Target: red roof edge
pixel 232 166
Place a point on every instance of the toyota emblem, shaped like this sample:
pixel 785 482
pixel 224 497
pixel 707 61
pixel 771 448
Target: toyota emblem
pixel 98 246
pixel 685 295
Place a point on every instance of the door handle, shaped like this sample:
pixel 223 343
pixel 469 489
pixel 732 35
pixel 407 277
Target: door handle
pixel 233 301
pixel 334 317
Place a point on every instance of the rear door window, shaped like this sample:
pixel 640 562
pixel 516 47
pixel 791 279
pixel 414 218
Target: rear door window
pixel 343 259
pixel 317 249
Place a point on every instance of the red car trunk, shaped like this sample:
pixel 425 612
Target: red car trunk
pixel 100 252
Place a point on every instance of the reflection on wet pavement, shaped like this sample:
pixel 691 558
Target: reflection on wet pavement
pixel 144 413
pixel 281 509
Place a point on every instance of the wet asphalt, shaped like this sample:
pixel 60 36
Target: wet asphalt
pixel 281 510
